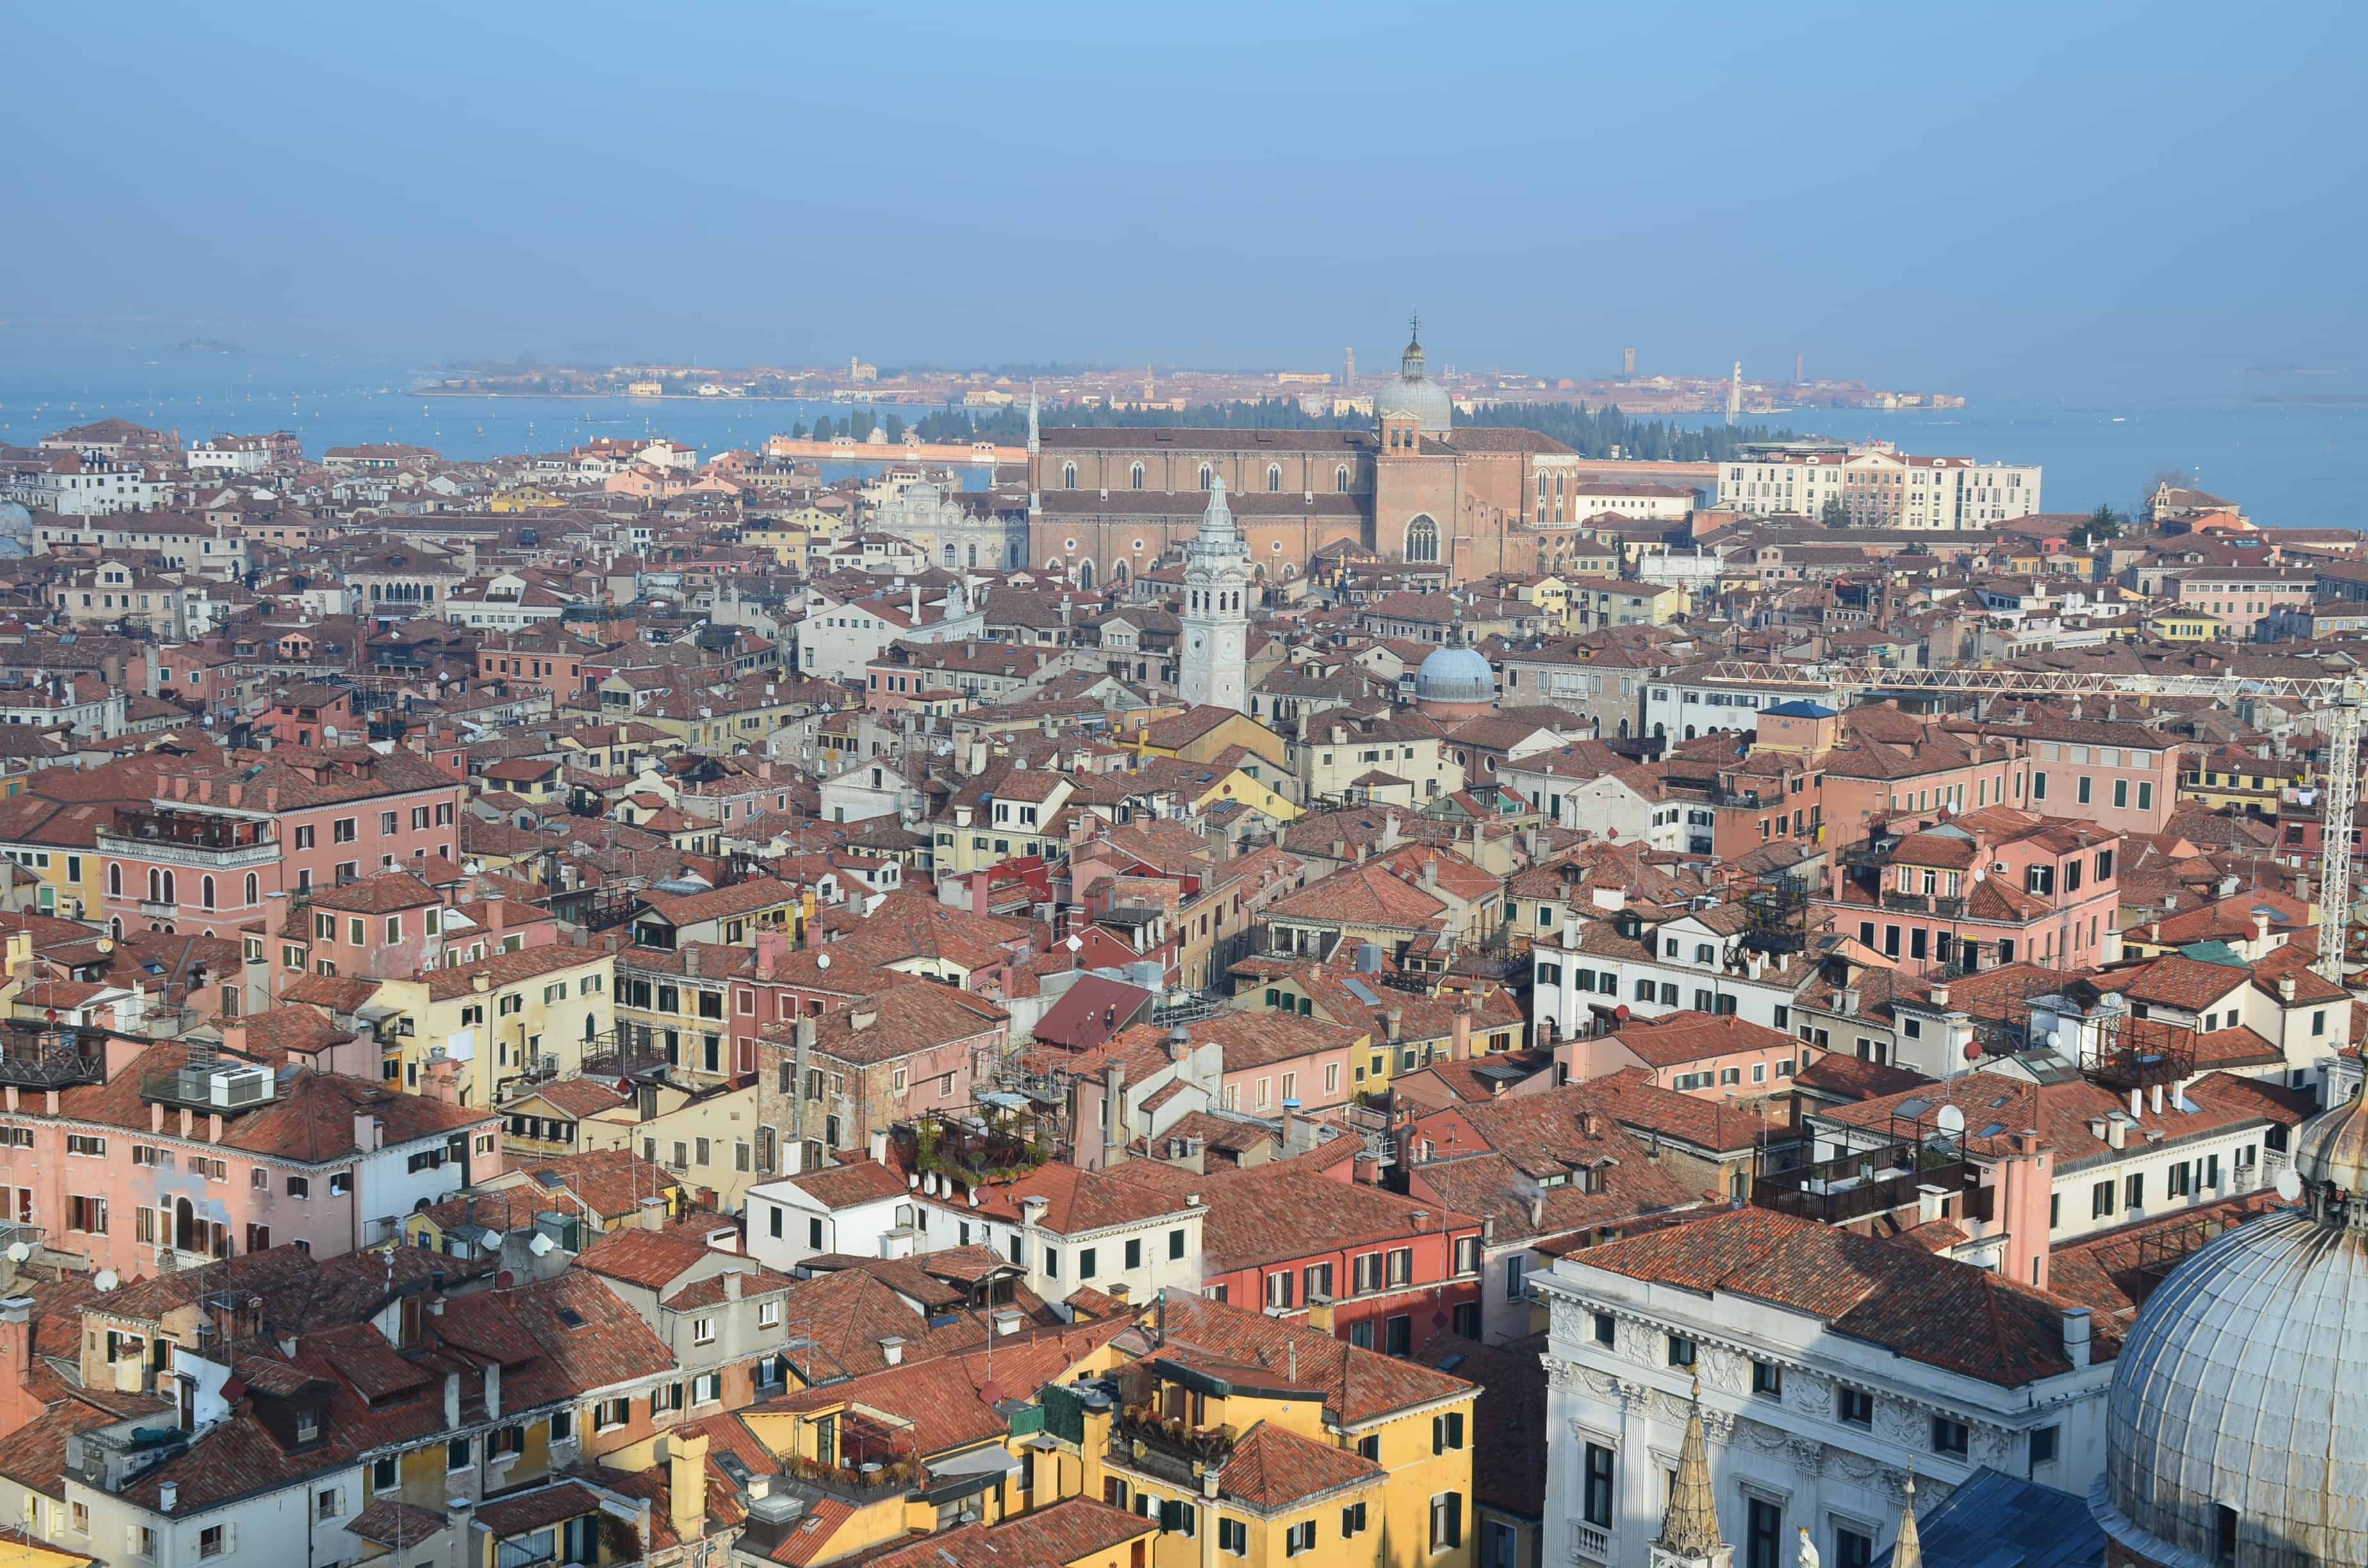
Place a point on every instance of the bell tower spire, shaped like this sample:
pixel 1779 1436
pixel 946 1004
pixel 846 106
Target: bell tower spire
pixel 1690 1537
pixel 1214 673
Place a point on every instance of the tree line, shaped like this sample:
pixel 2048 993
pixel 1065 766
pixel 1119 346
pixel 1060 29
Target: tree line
pixel 1591 432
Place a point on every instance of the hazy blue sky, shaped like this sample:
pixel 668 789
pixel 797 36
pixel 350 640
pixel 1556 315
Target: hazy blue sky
pixel 2115 199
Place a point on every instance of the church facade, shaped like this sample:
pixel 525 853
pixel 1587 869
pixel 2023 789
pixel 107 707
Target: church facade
pixel 1107 505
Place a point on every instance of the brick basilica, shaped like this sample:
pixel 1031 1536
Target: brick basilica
pixel 1107 505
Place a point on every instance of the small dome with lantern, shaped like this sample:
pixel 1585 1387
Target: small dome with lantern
pixel 1414 394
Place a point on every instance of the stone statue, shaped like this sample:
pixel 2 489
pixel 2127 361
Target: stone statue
pixel 1808 1558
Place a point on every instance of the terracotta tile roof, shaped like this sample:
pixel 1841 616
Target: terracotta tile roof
pixel 1358 1385
pixel 1080 1202
pixel 390 1521
pixel 2113 1272
pixel 1928 1309
pixel 900 1020
pixel 716 903
pixel 1997 1107
pixel 1072 1530
pixel 653 1259
pixel 1680 1037
pixel 534 1510
pixel 612 1181
pixel 383 894
pixel 310 1116
pixel 843 1187
pixel 1272 1469
pixel 1254 1039
pixel 2176 981
pixel 1364 894
pixel 1282 1210
pixel 578 1097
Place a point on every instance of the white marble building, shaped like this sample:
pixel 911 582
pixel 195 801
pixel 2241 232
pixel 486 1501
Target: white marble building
pixel 1830 1365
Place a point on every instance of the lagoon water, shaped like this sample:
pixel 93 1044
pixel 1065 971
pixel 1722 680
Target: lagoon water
pixel 2282 461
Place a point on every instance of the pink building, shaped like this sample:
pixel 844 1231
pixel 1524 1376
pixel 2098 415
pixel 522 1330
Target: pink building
pixel 1990 887
pixel 205 857
pixel 142 1160
pixel 1710 1056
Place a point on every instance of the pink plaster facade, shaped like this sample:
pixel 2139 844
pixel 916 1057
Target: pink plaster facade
pixel 205 858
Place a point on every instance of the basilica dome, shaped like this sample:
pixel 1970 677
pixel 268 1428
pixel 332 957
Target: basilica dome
pixel 2234 1418
pixel 1455 675
pixel 1415 395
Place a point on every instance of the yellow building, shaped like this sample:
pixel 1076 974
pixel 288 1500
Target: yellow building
pixel 524 498
pixel 1204 735
pixel 488 1024
pixel 57 842
pixel 644 389
pixel 2226 777
pixel 1595 602
pixel 1284 1444
pixel 2185 626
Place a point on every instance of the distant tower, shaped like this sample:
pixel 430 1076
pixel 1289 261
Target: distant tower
pixel 854 362
pixel 1796 366
pixel 1690 1537
pixel 1148 382
pixel 1035 451
pixel 1735 393
pixel 1349 377
pixel 1628 364
pixel 1216 610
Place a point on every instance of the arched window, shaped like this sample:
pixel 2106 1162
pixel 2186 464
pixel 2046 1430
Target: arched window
pixel 1340 479
pixel 1422 540
pixel 115 878
pixel 170 896
pixel 950 555
pixel 1068 476
pixel 1084 574
pixel 1135 477
pixel 156 885
pixel 1273 477
pixel 1118 575
pixel 974 556
pixel 254 888
pixel 206 894
pixel 1206 474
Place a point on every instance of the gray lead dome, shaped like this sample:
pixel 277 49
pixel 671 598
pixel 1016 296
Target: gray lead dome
pixel 2243 1386
pixel 1454 675
pixel 1415 395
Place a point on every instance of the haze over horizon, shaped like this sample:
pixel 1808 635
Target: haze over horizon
pixel 2115 200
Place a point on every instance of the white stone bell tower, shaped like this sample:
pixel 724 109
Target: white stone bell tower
pixel 1216 610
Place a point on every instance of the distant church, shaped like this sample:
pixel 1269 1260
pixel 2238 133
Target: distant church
pixel 1107 505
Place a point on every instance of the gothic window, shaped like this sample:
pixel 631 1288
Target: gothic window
pixel 1068 476
pixel 206 893
pixel 115 880
pixel 1274 476
pixel 1340 479
pixel 973 555
pixel 1135 477
pixel 950 555
pixel 1206 474
pixel 251 887
pixel 1422 540
pixel 1084 574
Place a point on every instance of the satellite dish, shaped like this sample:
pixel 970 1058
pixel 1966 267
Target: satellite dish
pixel 2289 1189
pixel 18 1252
pixel 541 1245
pixel 822 960
pixel 105 1279
pixel 1950 1121
pixel 1073 943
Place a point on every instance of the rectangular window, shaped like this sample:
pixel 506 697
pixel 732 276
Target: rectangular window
pixel 1352 1521
pixel 1948 1436
pixel 1233 1537
pixel 1682 1351
pixel 1595 1502
pixel 1767 1379
pixel 1854 1407
pixel 1447 1521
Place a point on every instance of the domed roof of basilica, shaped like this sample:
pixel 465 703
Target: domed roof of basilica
pixel 1414 394
pixel 1455 675
pixel 2235 1402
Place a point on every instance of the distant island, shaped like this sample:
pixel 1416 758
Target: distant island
pixel 206 345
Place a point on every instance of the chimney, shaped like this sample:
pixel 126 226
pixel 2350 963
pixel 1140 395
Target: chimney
pixel 690 960
pixel 891 1350
pixel 877 1144
pixel 653 1212
pixel 2158 1099
pixel 1941 996
pixel 2261 932
pixel 686 1485
pixel 1421 1220
pixel 1397 1016
pixel 451 1401
pixel 1927 1203
pixel 493 1390
pixel 2076 1336
pixel 1459 1033
pixel 2117 1132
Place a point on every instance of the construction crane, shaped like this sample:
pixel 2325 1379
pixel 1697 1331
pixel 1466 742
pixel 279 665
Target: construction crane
pixel 2336 698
